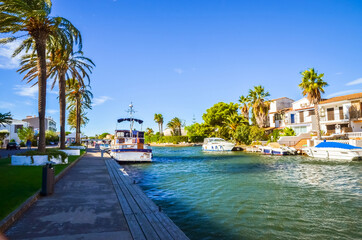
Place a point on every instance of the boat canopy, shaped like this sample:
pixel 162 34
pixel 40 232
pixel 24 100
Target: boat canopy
pixel 129 120
pixel 336 145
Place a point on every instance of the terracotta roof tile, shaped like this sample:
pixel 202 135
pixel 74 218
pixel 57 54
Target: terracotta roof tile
pixel 342 98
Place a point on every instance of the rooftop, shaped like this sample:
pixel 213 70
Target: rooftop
pixel 343 98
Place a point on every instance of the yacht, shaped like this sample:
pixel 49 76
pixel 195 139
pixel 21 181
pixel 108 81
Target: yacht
pixel 335 151
pixel 277 149
pixel 129 145
pixel 217 144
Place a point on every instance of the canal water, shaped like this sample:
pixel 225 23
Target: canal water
pixel 247 196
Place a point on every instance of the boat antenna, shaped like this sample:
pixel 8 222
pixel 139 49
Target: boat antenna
pixel 131 111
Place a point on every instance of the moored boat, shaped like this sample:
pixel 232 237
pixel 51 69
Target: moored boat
pixel 217 144
pixel 129 145
pixel 335 151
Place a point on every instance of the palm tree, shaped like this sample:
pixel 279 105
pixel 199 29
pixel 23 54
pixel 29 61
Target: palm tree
pixel 72 118
pixel 260 104
pixel 31 19
pixel 233 121
pixel 79 99
pixel 245 105
pixel 312 85
pixel 5 118
pixel 159 120
pixel 175 125
pixel 61 64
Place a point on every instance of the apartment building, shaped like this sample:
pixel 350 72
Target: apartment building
pixel 33 121
pixel 341 114
pixel 278 109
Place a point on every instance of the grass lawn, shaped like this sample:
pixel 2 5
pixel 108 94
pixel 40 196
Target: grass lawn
pixel 18 183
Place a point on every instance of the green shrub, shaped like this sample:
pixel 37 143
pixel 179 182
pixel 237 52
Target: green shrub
pixel 12 140
pixel 173 139
pixel 22 144
pixel 196 139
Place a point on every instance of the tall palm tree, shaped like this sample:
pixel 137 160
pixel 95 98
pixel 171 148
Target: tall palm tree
pixel 31 19
pixel 245 105
pixel 62 64
pixel 312 86
pixel 79 99
pixel 5 118
pixel 159 120
pixel 175 125
pixel 260 104
pixel 72 118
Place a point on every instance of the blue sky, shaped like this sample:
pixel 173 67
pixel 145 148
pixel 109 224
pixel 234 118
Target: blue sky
pixel 180 57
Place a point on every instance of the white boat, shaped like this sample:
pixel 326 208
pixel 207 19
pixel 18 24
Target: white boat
pixel 129 145
pixel 217 144
pixel 277 149
pixel 334 150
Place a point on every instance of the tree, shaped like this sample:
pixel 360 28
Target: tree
pixel 288 132
pixel 259 104
pixel 103 135
pixel 245 105
pixel 175 125
pixel 159 120
pixel 149 131
pixel 79 99
pixel 25 134
pixel 5 118
pixel 31 19
pixel 312 86
pixel 216 116
pixel 233 121
pixel 72 118
pixel 51 136
pixel 3 135
pixel 242 134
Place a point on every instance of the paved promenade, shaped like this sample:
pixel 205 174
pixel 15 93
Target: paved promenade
pixel 84 206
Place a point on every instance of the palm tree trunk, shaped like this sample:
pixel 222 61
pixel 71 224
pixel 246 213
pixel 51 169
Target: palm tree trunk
pixel 159 128
pixel 161 133
pixel 77 134
pixel 62 106
pixel 318 121
pixel 42 86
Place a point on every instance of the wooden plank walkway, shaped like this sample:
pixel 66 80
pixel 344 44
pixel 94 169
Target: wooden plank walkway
pixel 144 218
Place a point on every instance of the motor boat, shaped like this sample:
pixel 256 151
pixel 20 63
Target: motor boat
pixel 217 144
pixel 129 145
pixel 277 149
pixel 335 151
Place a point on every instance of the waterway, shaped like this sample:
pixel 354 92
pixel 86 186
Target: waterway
pixel 248 196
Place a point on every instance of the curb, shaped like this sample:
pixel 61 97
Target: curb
pixel 9 220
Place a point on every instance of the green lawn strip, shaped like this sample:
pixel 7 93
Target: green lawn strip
pixel 18 183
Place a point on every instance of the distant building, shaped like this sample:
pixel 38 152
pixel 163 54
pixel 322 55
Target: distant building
pixel 168 132
pixel 12 128
pixel 33 121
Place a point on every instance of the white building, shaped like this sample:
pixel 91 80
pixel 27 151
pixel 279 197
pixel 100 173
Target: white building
pixel 168 132
pixel 13 130
pixel 33 121
pixel 278 108
pixel 341 114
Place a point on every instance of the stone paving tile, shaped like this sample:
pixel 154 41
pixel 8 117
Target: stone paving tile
pixel 84 206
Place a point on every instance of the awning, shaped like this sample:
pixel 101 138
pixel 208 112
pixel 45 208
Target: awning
pixel 130 119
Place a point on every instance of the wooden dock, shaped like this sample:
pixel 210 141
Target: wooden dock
pixel 145 220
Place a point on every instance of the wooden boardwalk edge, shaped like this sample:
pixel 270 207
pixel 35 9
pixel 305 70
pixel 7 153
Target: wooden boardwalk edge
pixel 144 218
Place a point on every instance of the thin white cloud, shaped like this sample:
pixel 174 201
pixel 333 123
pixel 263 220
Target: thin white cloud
pixel 6 52
pixel 344 93
pixel 179 70
pixel 354 82
pixel 6 105
pixel 100 100
pixel 339 73
pixel 52 111
pixel 26 90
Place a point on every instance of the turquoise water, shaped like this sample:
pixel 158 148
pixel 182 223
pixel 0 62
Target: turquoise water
pixel 247 196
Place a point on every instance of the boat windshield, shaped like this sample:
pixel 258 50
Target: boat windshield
pixel 210 140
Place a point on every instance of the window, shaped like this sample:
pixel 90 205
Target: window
pixel 330 114
pixel 16 127
pixel 301 117
pixel 341 115
pixel 292 120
